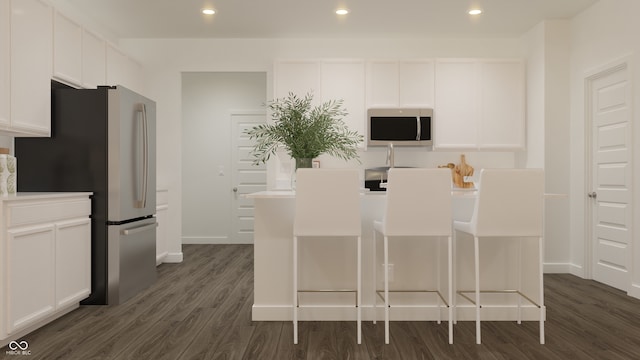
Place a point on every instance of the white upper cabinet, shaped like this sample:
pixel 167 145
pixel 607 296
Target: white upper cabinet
pixel 480 104
pixel 502 91
pixel 122 70
pixel 341 79
pixel 31 67
pixel 298 77
pixel 416 83
pixel 344 80
pixel 383 84
pixel 456 107
pixel 407 83
pixel 67 50
pixel 94 60
pixel 5 58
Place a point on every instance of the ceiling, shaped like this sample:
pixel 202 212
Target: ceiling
pixel 317 18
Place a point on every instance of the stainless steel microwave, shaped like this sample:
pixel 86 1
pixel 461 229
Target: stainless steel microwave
pixel 411 127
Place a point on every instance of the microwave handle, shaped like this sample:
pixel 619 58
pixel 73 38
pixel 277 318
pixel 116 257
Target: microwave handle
pixel 418 136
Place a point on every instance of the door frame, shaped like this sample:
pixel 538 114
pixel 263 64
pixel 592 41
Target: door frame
pixel 623 63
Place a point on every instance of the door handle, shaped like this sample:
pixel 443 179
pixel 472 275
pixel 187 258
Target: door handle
pixel 139 229
pixel 235 189
pixel 592 194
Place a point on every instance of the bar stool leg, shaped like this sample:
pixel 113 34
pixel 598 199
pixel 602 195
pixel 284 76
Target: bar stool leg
pixel 295 290
pixel 477 270
pixel 450 275
pixel 454 300
pixel 375 279
pixel 519 266
pixel 438 283
pixel 359 292
pixel 541 290
pixel 386 289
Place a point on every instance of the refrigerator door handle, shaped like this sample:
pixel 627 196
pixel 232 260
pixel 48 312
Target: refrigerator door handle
pixel 146 156
pixel 144 179
pixel 139 229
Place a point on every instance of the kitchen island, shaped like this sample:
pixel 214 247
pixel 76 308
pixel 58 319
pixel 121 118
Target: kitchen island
pixel 330 263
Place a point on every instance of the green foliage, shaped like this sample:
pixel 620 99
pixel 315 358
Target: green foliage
pixel 305 131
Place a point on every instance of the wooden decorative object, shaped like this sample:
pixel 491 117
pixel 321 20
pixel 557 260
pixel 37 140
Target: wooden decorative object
pixel 458 173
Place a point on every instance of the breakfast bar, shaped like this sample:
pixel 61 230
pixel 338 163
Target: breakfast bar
pixel 409 266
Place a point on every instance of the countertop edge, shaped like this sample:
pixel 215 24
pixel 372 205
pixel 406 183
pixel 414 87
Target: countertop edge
pixel 43 195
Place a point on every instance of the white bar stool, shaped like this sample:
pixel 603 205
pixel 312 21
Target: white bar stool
pixel 509 204
pixel 327 204
pixel 418 204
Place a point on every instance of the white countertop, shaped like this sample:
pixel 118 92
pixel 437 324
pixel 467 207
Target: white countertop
pixel 42 195
pixel 284 194
pixel 456 192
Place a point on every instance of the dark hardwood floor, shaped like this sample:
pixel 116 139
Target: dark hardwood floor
pixel 201 309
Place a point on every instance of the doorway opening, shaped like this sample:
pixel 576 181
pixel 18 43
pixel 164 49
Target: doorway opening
pixel 208 101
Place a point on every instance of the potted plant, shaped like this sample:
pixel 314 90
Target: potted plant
pixel 304 131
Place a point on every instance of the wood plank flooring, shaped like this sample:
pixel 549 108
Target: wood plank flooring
pixel 201 309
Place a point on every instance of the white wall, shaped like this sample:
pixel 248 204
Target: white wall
pixel 601 34
pixel 207 99
pixel 533 49
pixel 164 61
pixel 546 49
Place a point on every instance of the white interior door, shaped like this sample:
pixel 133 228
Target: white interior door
pixel 611 172
pixel 246 177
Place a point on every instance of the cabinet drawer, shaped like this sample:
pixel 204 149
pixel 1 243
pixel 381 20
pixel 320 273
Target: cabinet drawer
pixel 50 211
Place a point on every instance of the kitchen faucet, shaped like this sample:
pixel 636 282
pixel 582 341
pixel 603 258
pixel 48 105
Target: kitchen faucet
pixel 390 155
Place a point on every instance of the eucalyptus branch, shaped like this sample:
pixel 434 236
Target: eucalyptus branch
pixel 305 131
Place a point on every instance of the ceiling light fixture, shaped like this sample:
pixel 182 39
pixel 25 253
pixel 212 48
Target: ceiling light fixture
pixel 475 12
pixel 342 11
pixel 208 11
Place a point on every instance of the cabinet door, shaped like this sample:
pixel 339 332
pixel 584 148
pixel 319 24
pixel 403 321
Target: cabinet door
pixel 31 66
pixel 162 248
pixel 345 80
pixel 298 77
pixel 383 84
pixel 416 81
pixel 162 219
pixel 502 89
pixel 456 113
pixel 5 28
pixel 67 50
pixel 121 70
pixel 30 275
pixel 73 261
pixel 94 60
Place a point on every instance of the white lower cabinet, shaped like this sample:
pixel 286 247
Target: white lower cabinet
pixel 162 218
pixel 30 275
pixel 47 268
pixel 73 261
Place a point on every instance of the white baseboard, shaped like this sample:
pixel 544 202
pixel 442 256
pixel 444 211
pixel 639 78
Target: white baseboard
pixel 634 291
pixel 213 240
pixel 577 270
pixel 173 258
pixel 205 239
pixel 557 268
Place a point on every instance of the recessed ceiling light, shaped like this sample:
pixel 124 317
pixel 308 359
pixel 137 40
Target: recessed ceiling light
pixel 475 12
pixel 208 11
pixel 342 11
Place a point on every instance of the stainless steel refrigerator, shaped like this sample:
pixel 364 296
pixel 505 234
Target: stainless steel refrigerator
pixel 103 140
